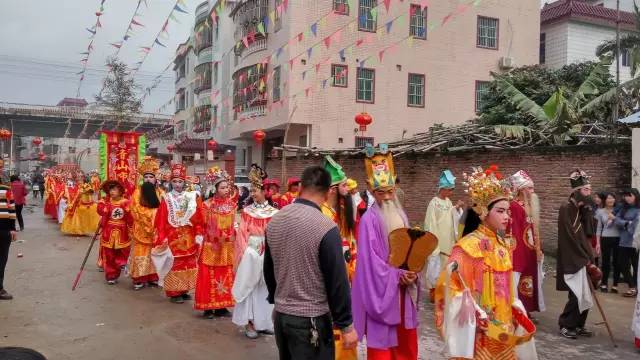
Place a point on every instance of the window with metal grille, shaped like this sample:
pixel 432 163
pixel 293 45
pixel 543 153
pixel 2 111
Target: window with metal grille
pixel 625 58
pixel 418 23
pixel 341 7
pixel 416 90
pixel 365 87
pixel 339 75
pixel 367 20
pixel 482 89
pixel 487 32
pixel 543 48
pixel 276 83
pixel 362 141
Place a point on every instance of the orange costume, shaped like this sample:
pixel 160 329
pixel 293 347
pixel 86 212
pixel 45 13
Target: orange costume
pixel 179 224
pixel 114 241
pixel 215 263
pixel 81 217
pixel 289 196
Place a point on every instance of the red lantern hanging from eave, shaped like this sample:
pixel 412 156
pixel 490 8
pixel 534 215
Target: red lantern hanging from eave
pixel 36 141
pixel 42 156
pixel 5 134
pixel 259 135
pixel 212 144
pixel 171 147
pixel 363 119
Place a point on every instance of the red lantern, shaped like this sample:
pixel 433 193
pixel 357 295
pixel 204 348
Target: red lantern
pixel 5 134
pixel 212 144
pixel 259 135
pixel 42 156
pixel 36 141
pixel 363 119
pixel 171 147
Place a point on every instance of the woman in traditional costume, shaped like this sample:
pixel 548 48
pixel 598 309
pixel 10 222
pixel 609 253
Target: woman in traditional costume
pixel 477 312
pixel 215 263
pixel 81 216
pixel 249 288
pixel 116 220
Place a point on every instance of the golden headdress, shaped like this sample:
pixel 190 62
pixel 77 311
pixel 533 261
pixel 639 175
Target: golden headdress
pixel 216 175
pixel 149 165
pixel 86 188
pixel 486 187
pixel 256 176
pixel 381 173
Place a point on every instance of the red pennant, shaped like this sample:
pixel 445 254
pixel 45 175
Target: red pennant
pixel 285 4
pixel 327 41
pixel 290 64
pixel 387 3
pixel 359 42
pixel 380 54
pixel 317 68
pixel 98 24
pixel 300 37
pixel 307 91
pixel 245 41
pixel 134 22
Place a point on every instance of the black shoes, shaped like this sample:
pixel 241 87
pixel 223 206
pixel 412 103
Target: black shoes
pixel 584 332
pixel 208 314
pixel 186 296
pixel 176 299
pixel 4 295
pixel 568 333
pixel 222 313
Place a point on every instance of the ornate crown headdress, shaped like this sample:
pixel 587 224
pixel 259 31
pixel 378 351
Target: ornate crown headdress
pixel 381 173
pixel 520 180
pixel 149 165
pixel 256 176
pixel 486 187
pixel 216 175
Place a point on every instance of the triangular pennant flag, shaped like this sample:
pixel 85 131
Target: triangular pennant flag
pixel 260 28
pixel 324 83
pixel 304 73
pixel 285 4
pixel 388 25
pixel 82 77
pixel 174 18
pixel 327 41
pixel 374 13
pixel 309 50
pixel 145 48
pixel 116 45
pixel 98 24
pixel 166 24
pixel 278 52
pixel 386 4
pixel 291 64
pixel 307 91
pixel 179 9
pixel 380 54
pixel 272 16
pixel 266 21
pixel 84 53
pixel 91 31
pixel 341 52
pixel 245 41
pixel 314 29
pixel 410 41
pixel 214 17
pixel 262 85
pixel 126 37
pixel 90 47
pixel 317 68
pixel 159 43
pixel 79 73
pixel 300 37
pixel 134 22
pixel 447 18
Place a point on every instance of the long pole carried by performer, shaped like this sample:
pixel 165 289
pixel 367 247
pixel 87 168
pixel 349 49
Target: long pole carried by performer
pixel 604 318
pixel 86 257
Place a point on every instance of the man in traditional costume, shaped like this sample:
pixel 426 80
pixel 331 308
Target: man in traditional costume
pixel 575 256
pixel 145 202
pixel 477 312
pixel 339 208
pixel 215 263
pixel 527 255
pixel 81 217
pixel 249 288
pixel 384 297
pixel 179 227
pixel 116 220
pixel 293 189
pixel 441 220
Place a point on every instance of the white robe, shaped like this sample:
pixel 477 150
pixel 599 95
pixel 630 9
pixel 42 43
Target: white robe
pixel 441 220
pixel 62 208
pixel 250 290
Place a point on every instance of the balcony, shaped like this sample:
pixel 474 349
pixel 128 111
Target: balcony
pixel 246 17
pixel 202 119
pixel 203 36
pixel 255 46
pixel 203 78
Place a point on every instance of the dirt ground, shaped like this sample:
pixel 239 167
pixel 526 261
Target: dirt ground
pixel 98 321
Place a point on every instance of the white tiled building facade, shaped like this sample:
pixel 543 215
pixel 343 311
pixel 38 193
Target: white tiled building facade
pixel 438 78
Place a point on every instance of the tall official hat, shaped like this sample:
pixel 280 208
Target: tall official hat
pixel 381 173
pixel 335 170
pixel 446 180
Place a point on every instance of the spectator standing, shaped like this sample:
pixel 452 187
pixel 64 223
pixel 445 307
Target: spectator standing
pixel 19 191
pixel 626 220
pixel 607 241
pixel 306 276
pixel 7 233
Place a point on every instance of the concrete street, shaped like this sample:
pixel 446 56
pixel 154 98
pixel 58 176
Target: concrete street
pixel 98 321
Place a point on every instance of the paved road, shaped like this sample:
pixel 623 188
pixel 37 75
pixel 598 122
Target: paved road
pixel 108 322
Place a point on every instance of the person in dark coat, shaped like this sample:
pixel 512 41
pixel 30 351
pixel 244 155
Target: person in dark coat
pixel 574 254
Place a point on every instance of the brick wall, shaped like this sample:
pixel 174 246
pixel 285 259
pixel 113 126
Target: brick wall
pixel 549 167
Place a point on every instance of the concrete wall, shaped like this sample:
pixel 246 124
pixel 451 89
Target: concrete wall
pixel 549 168
pixel 556 36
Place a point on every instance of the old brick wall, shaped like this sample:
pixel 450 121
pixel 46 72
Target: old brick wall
pixel 609 167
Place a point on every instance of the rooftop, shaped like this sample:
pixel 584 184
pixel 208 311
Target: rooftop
pixel 579 10
pixel 73 102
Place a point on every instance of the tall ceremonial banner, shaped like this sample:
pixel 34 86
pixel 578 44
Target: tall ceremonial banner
pixel 120 154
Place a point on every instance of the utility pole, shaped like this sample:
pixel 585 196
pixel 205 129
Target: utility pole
pixel 616 109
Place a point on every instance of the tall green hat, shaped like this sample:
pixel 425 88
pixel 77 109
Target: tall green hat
pixel 335 170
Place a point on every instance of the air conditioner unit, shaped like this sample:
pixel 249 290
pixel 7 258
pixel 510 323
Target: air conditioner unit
pixel 506 62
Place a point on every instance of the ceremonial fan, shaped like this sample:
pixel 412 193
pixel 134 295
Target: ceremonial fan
pixel 409 248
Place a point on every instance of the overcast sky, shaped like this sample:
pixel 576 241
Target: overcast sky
pixel 41 42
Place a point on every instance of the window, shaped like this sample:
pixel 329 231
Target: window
pixel 362 141
pixel 625 58
pixel 543 48
pixel 276 84
pixel 418 23
pixel 341 7
pixel 366 20
pixel 277 15
pixel 302 141
pixel 215 116
pixel 416 90
pixel 482 89
pixel 365 86
pixel 339 75
pixel 487 33
pixel 215 73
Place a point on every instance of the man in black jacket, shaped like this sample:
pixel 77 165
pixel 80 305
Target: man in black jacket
pixel 7 233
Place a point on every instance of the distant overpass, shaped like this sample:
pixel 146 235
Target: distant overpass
pixel 72 122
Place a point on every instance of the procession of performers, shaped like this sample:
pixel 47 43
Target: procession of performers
pixel 486 282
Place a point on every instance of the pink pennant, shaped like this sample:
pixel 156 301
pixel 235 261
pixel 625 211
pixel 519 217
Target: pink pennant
pixel 146 49
pixel 327 41
pixel 447 18
pixel 317 68
pixel 116 45
pixel 214 17
pixel 285 4
pixel 82 77
pixel 381 54
pixel 307 91
pixel 134 22
pixel 290 64
pixel 359 42
pixel 98 24
pixel 245 41
pixel 387 3
pixel 300 37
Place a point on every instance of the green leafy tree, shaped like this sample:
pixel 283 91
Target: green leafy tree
pixel 119 91
pixel 628 42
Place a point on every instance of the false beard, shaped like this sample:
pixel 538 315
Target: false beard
pixel 391 214
pixel 148 196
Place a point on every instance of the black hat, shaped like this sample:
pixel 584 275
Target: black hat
pixel 579 179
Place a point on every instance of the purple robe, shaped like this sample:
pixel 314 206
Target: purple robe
pixel 375 294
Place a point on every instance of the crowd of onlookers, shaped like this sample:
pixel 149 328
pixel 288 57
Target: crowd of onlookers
pixel 616 222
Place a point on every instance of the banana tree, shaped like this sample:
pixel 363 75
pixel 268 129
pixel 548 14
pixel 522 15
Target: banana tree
pixel 560 116
pixel 628 42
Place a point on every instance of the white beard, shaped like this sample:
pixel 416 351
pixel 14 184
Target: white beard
pixel 391 215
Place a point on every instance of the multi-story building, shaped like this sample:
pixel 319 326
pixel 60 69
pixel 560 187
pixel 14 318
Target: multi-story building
pixel 301 71
pixel 571 30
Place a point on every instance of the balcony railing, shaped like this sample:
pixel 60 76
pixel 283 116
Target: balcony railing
pixel 255 46
pixel 203 78
pixel 202 119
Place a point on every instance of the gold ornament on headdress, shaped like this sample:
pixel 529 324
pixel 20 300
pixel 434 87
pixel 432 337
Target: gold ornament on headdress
pixel 486 187
pixel 381 173
pixel 149 165
pixel 256 176
pixel 216 175
pixel 86 188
